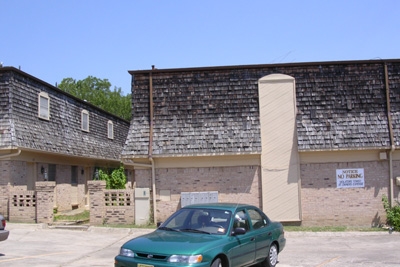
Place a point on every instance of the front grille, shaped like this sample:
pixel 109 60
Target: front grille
pixel 151 256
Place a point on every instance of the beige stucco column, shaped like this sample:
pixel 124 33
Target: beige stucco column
pixel 280 175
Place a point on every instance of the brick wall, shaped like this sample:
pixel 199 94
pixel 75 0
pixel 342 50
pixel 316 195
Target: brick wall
pixel 45 201
pixel 18 173
pixel 4 173
pixel 110 206
pixel 4 193
pixel 96 197
pixel 30 206
pixel 396 188
pixel 22 206
pixel 234 184
pixel 119 207
pixel 324 204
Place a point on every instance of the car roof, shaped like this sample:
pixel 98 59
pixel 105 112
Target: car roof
pixel 219 205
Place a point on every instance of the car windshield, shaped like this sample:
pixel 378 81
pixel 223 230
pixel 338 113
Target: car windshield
pixel 202 221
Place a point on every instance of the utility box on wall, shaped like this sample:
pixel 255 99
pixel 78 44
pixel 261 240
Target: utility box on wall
pixel 142 206
pixel 188 198
pixel 398 181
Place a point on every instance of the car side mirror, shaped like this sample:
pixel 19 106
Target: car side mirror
pixel 239 231
pixel 158 224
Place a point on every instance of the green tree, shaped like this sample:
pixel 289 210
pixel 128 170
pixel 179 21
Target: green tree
pixel 97 92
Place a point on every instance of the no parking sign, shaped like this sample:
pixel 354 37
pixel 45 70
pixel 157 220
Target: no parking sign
pixel 349 178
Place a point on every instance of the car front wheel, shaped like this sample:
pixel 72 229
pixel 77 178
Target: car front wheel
pixel 216 263
pixel 272 258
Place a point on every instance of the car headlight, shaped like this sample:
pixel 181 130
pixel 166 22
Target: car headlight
pixel 186 258
pixel 126 252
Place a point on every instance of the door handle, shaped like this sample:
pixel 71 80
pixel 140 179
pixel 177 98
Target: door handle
pixel 252 239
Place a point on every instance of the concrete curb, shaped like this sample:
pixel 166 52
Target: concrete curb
pixel 337 234
pixel 101 229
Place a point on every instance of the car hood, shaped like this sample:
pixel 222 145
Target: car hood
pixel 168 242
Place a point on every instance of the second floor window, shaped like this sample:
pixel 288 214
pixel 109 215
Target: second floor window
pixel 110 130
pixel 44 106
pixel 85 120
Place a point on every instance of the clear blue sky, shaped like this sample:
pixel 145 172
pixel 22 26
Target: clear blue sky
pixel 56 39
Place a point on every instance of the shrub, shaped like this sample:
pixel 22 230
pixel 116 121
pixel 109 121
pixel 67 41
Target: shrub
pixel 392 213
pixel 116 180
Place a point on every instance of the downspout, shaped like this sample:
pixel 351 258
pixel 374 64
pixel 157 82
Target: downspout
pixel 153 182
pixel 11 155
pixel 392 147
pixel 151 115
pixel 153 173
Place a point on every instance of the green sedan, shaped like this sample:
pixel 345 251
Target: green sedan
pixel 216 235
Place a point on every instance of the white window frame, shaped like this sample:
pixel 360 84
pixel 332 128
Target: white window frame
pixel 85 120
pixel 44 106
pixel 110 130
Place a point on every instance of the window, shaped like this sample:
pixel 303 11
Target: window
pixel 85 120
pixel 52 172
pixel 44 106
pixel 74 174
pixel 241 220
pixel 257 220
pixel 110 130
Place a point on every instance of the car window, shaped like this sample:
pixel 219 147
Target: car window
pixel 179 220
pixel 212 221
pixel 241 220
pixel 200 218
pixel 221 218
pixel 257 219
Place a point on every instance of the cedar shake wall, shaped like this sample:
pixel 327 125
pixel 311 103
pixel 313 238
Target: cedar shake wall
pixel 195 113
pixel 340 105
pixel 7 138
pixel 21 127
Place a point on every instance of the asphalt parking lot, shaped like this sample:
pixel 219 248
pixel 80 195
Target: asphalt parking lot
pixel 37 245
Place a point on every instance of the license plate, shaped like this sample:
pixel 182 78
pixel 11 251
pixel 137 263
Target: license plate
pixel 144 265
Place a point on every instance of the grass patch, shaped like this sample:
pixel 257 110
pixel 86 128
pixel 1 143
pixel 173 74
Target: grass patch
pixel 332 229
pixel 83 216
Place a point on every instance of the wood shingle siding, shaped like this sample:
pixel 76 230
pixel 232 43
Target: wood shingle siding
pixel 195 113
pixel 7 137
pixel 214 110
pixel 22 128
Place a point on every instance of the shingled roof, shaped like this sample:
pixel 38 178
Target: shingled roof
pixel 21 128
pixel 215 110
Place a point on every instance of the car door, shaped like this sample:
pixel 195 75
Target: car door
pixel 243 252
pixel 261 232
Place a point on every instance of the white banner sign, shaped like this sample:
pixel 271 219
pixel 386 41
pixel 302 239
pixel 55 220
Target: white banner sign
pixel 349 178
